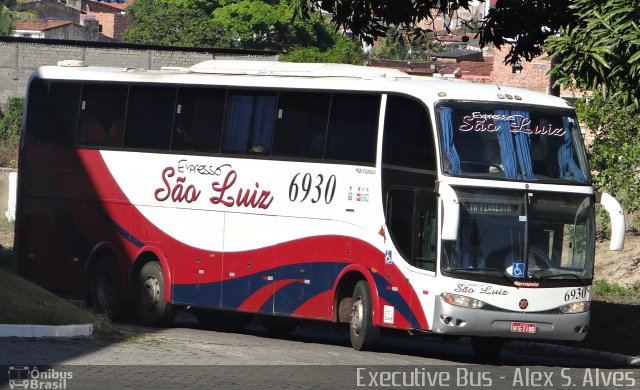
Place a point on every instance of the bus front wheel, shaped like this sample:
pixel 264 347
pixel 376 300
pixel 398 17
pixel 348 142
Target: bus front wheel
pixel 364 336
pixel 151 307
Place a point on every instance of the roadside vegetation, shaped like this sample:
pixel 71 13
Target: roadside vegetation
pixel 10 123
pixel 614 293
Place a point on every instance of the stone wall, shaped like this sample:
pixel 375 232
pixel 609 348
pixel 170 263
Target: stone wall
pixel 19 57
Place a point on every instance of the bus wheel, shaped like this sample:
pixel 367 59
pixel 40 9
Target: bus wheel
pixel 103 287
pixel 364 336
pixel 486 348
pixel 279 326
pixel 151 307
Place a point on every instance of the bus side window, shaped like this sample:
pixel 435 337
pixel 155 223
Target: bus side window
pixel 353 128
pixel 411 219
pixel 301 124
pixel 408 137
pixel 53 111
pixel 149 117
pixel 399 219
pixel 249 122
pixel 198 119
pixel 101 109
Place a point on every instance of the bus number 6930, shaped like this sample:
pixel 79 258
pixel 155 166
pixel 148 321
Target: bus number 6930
pixel 307 185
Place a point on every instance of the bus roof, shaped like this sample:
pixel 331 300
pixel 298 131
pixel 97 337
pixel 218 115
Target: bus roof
pixel 244 73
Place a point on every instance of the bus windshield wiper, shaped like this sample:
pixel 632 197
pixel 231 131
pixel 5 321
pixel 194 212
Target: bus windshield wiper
pixel 475 270
pixel 551 276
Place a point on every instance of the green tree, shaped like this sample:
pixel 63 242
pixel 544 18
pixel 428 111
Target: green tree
pixel 601 49
pixel 6 20
pixel 397 45
pixel 615 151
pixel 165 22
pixel 10 124
pixel 521 25
pixel 344 51
pixel 270 25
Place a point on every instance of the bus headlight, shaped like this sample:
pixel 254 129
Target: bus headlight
pixel 575 307
pixel 462 301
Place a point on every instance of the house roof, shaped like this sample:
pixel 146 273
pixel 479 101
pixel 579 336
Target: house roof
pixel 118 7
pixel 41 25
pixel 458 54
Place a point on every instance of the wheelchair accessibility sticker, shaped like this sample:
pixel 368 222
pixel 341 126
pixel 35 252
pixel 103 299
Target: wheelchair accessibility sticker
pixel 388 257
pixel 517 270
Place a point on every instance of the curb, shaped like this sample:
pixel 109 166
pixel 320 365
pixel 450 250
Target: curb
pixel 7 330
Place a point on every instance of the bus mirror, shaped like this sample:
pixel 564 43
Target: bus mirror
pixel 451 212
pixel 616 215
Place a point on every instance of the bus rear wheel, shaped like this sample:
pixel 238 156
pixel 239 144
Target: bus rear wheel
pixel 103 287
pixel 151 307
pixel 364 336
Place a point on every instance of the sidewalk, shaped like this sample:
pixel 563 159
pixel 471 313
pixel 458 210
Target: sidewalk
pixel 10 330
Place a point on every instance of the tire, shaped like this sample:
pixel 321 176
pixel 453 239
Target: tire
pixel 279 326
pixel 150 305
pixel 224 321
pixel 486 349
pixel 103 288
pixel 364 336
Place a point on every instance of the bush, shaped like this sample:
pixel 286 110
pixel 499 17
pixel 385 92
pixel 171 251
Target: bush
pixel 10 124
pixel 615 152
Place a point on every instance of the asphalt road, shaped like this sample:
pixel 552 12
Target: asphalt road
pixel 316 356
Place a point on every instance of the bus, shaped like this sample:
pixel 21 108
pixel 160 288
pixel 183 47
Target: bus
pixel 356 195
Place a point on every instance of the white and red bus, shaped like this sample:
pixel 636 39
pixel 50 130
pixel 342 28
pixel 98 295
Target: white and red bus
pixel 350 194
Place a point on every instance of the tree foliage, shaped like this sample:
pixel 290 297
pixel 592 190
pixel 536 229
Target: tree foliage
pixel 5 20
pixel 615 151
pixel 601 49
pixel 242 24
pixel 522 25
pixel 344 51
pixel 270 25
pixel 10 124
pixel 163 22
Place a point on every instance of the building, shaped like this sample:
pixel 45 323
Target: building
pixel 48 15
pixel 87 30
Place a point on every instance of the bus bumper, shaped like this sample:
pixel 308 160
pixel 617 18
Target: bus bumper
pixel 462 321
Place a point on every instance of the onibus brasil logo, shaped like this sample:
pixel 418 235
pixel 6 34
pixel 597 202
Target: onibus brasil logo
pixel 25 377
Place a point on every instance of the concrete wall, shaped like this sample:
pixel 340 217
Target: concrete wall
pixel 19 57
pixel 8 190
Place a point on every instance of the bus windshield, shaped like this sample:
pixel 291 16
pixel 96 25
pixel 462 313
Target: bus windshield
pixel 524 143
pixel 523 235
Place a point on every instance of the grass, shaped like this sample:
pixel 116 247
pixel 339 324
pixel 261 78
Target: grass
pixel 25 303
pixel 614 293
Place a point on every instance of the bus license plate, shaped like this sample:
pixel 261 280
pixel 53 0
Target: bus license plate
pixel 523 327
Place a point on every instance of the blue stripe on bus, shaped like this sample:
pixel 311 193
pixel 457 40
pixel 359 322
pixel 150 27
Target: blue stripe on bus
pixel 120 230
pixel 287 299
pixel 396 300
